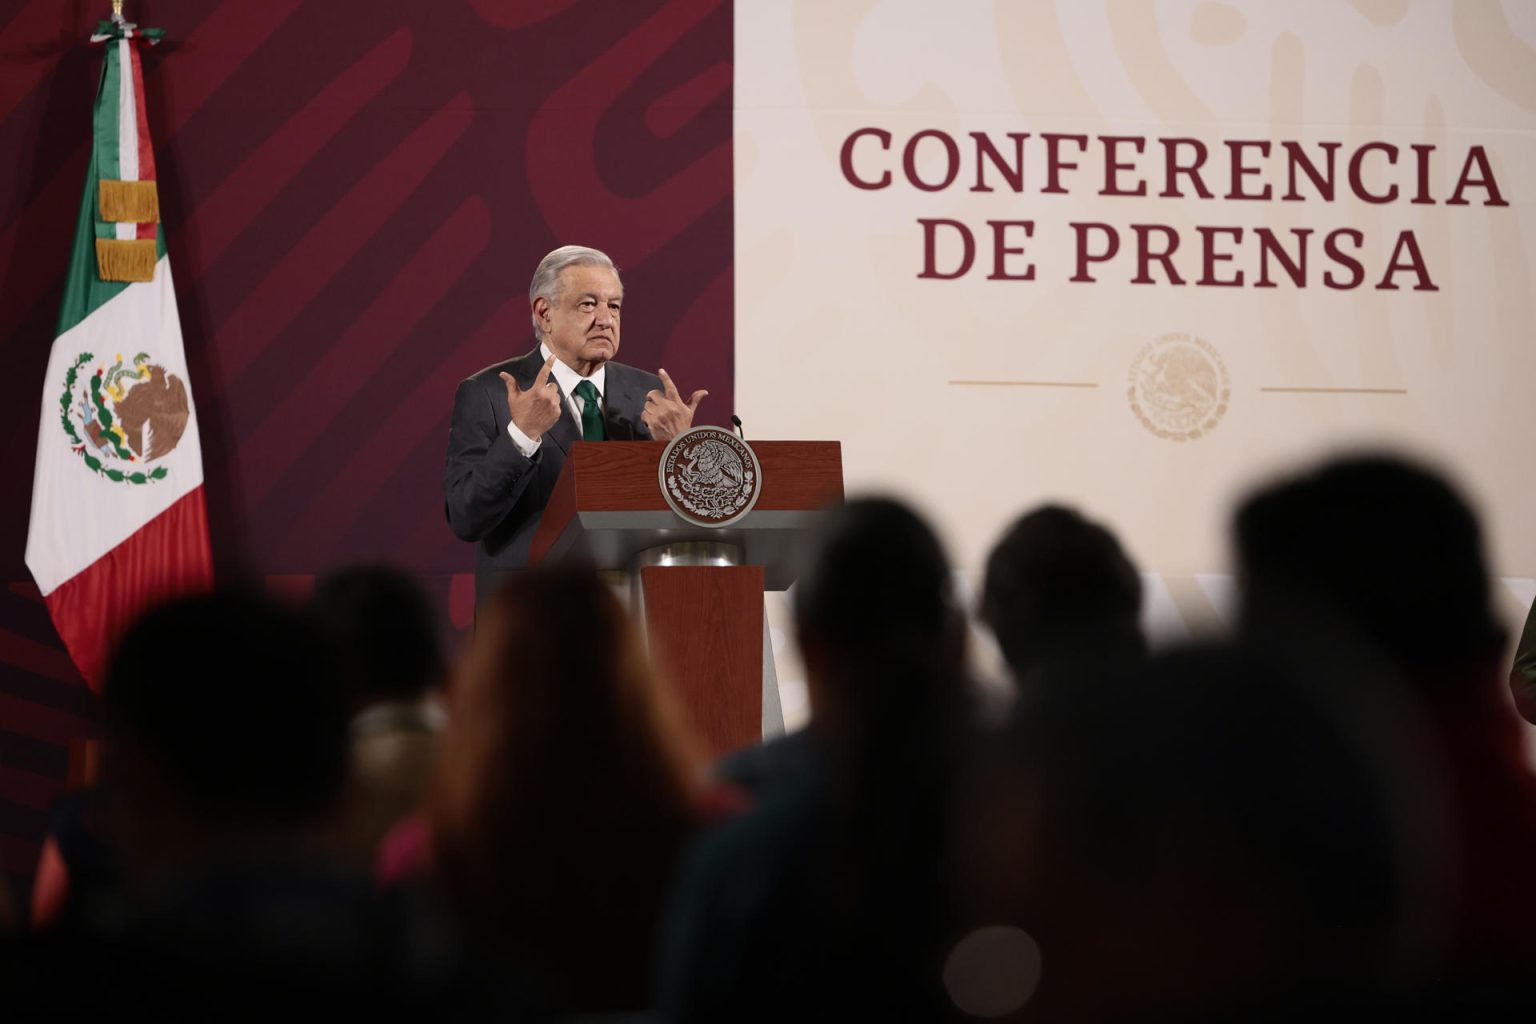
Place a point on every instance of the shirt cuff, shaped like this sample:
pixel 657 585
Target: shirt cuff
pixel 524 443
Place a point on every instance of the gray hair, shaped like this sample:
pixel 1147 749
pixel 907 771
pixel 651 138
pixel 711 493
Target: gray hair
pixel 547 276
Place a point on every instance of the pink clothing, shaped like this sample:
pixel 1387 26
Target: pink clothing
pixel 405 852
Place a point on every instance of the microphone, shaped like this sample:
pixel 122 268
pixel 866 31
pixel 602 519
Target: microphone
pixel 736 421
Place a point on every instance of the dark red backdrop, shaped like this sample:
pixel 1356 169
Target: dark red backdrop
pixel 355 194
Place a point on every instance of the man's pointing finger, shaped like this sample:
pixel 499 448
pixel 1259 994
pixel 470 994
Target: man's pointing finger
pixel 544 372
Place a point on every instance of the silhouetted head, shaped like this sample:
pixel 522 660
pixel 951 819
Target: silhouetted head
pixel 1388 547
pixel 1215 824
pixel 557 726
pixel 874 610
pixel 222 712
pixel 565 790
pixel 557 678
pixel 1060 587
pixel 383 630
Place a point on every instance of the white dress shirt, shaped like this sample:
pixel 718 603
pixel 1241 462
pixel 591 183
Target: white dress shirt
pixel 567 378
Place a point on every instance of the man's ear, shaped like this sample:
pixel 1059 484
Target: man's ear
pixel 541 309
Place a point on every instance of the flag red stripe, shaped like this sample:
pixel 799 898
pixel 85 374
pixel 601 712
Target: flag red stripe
pixel 168 555
pixel 141 124
pixel 140 114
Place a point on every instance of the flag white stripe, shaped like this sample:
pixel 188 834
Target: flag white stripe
pixel 142 318
pixel 127 127
pixel 127 116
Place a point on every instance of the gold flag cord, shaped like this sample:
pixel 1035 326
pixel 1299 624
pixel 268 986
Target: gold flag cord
pixel 131 202
pixel 128 259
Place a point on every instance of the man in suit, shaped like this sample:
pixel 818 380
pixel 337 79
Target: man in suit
pixel 514 422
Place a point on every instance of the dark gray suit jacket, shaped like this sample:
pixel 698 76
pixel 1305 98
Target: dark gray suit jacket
pixel 492 493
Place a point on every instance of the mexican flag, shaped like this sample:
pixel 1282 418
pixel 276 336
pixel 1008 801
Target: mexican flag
pixel 118 520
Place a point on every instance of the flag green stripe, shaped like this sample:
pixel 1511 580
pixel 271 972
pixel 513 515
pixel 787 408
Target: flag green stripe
pixel 104 144
pixel 84 290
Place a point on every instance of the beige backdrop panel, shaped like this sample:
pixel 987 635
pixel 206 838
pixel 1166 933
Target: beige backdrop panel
pixel 838 338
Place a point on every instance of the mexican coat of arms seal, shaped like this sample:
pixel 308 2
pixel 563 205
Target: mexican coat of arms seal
pixel 119 417
pixel 1178 387
pixel 710 477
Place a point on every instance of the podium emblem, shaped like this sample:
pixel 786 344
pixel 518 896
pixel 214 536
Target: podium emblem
pixel 710 477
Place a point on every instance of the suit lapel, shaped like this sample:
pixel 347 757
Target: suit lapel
pixel 622 406
pixel 565 429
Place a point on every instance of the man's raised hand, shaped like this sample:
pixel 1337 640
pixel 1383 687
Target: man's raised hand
pixel 666 414
pixel 537 409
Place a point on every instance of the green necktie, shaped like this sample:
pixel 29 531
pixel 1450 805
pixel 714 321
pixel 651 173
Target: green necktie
pixel 591 414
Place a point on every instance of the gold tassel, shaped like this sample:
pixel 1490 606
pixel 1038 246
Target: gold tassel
pixel 126 259
pixel 130 202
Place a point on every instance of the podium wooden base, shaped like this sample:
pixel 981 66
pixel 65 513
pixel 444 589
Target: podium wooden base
pixel 705 626
pixel 703 614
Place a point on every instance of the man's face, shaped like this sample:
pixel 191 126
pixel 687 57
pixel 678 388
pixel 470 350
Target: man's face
pixel 581 322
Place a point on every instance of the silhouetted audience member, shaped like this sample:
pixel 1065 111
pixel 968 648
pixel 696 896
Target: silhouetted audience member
pixel 80 861
pixel 387 647
pixel 10 918
pixel 1522 674
pixel 760 768
pixel 1386 548
pixel 225 726
pixel 567 790
pixel 1209 835
pixel 1060 595
pixel 831 900
pixel 226 753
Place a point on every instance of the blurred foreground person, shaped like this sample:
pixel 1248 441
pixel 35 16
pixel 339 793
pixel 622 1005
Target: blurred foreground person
pixel 1388 551
pixel 1209 836
pixel 387 648
pixel 566 793
pixel 225 753
pixel 80 862
pixel 10 918
pixel 1061 596
pixel 226 737
pixel 831 900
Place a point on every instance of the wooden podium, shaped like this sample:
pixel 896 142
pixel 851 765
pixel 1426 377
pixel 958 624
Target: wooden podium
pixel 698 590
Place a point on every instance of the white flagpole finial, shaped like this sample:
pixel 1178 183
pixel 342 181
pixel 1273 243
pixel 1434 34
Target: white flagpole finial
pixel 117 11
